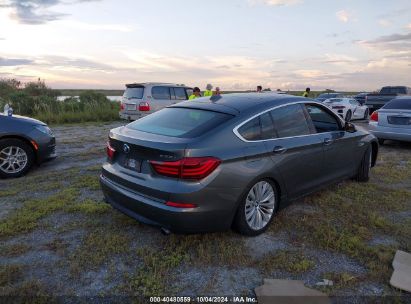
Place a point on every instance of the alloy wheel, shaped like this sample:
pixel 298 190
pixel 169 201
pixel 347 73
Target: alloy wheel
pixel 13 159
pixel 260 205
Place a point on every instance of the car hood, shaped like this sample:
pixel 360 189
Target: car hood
pixel 27 119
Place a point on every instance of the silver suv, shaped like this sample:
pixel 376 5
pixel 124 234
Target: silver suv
pixel 141 99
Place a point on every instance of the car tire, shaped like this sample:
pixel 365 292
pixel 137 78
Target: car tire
pixel 381 141
pixel 348 116
pixel 22 156
pixel 247 224
pixel 366 114
pixel 363 174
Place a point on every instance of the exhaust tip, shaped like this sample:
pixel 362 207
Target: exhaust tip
pixel 165 231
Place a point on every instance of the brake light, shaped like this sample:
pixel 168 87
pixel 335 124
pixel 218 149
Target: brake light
pixel 187 168
pixel 374 116
pixel 110 151
pixel 122 107
pixel 339 107
pixel 144 106
pixel 180 205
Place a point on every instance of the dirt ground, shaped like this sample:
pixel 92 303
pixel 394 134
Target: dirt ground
pixel 58 238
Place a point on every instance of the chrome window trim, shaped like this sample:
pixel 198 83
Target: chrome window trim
pixel 235 130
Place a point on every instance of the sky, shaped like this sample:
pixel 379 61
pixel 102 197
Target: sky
pixel 352 45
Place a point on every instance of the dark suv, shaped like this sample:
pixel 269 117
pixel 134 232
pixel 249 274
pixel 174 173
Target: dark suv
pixel 23 142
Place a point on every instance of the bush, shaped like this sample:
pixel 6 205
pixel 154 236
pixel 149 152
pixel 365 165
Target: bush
pixel 37 100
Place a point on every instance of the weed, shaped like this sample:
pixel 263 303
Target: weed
pixel 291 261
pixel 26 219
pixel 14 250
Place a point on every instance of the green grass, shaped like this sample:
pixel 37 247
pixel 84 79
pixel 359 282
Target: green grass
pixel 14 250
pixel 212 249
pixel 10 274
pixel 154 275
pixel 89 207
pixel 27 218
pixel 291 261
pixel 87 181
pixel 98 247
pixel 345 219
pixel 92 115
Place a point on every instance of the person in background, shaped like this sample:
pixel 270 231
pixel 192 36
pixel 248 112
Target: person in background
pixel 208 91
pixel 217 91
pixel 307 92
pixel 259 89
pixel 196 93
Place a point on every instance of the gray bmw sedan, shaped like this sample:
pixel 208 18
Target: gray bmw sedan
pixel 230 161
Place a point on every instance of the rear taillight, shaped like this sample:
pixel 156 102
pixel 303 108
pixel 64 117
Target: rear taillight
pixel 180 205
pixel 144 106
pixel 122 107
pixel 339 107
pixel 374 116
pixel 110 151
pixel 187 168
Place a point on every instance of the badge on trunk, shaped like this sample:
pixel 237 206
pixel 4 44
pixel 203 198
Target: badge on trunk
pixel 126 148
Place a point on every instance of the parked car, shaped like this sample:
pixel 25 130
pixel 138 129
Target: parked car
pixel 23 142
pixel 360 97
pixel 393 120
pixel 140 99
pixel 386 94
pixel 348 108
pixel 325 96
pixel 208 165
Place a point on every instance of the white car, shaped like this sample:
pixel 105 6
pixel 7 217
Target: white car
pixel 348 108
pixel 141 99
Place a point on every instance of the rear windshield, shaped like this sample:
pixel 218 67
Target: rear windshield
pixel 180 122
pixel 134 93
pixel 393 90
pixel 400 104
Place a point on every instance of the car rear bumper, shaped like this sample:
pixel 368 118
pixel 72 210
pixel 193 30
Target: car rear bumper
pixel 155 212
pixel 381 132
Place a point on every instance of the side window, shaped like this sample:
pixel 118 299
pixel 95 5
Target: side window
pixel 189 92
pixel 180 94
pixel 290 121
pixel 251 130
pixel 323 120
pixel 161 93
pixel 267 126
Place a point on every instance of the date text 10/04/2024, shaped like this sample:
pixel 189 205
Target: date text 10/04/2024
pixel 203 299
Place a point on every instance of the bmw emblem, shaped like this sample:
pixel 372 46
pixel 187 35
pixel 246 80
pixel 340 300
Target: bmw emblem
pixel 126 148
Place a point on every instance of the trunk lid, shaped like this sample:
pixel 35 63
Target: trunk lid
pixel 134 150
pixel 395 118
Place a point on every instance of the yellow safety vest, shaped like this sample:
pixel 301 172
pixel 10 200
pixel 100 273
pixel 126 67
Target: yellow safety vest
pixel 305 94
pixel 208 93
pixel 192 96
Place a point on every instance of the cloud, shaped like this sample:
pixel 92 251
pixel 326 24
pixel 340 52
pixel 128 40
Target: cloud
pixel 393 43
pixel 344 15
pixel 97 27
pixel 14 62
pixel 35 11
pixel 408 26
pixel 384 22
pixel 275 2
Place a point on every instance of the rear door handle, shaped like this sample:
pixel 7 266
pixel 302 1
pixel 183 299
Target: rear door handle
pixel 279 150
pixel 328 141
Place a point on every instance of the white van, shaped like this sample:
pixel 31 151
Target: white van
pixel 141 99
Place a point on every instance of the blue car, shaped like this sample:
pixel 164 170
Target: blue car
pixel 23 142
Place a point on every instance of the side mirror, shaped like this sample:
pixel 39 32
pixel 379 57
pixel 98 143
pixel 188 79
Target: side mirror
pixel 349 127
